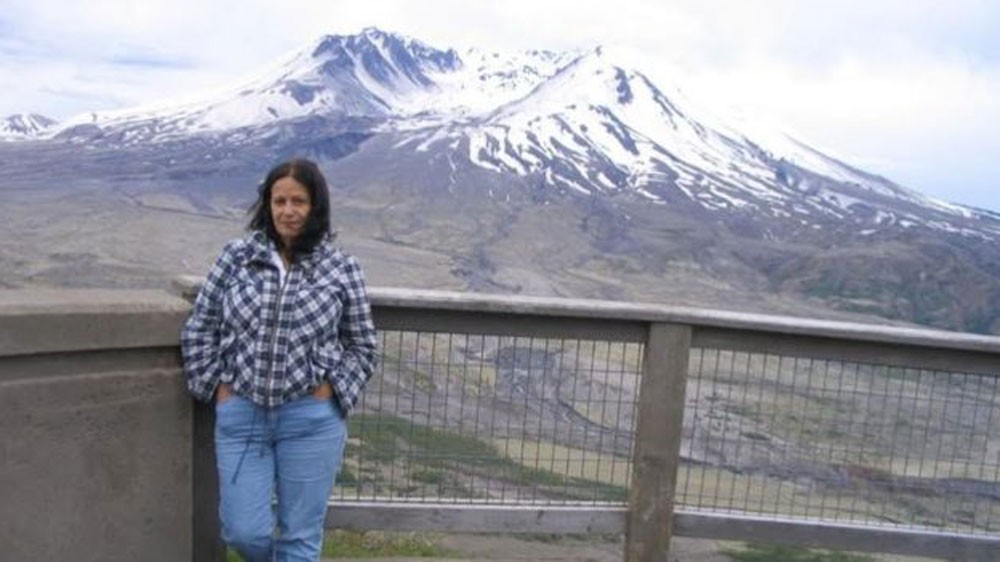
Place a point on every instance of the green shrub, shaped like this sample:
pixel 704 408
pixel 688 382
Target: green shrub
pixel 427 476
pixel 346 477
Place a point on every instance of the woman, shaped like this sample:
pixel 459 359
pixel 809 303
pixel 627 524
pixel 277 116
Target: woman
pixel 281 338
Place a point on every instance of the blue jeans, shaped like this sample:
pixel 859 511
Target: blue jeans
pixel 291 453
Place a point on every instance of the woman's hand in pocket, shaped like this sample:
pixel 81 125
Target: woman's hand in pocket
pixel 323 392
pixel 223 392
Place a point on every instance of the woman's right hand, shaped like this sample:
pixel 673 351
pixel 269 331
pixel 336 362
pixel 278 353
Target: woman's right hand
pixel 223 392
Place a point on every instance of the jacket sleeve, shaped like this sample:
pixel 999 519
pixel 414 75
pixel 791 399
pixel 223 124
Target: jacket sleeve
pixel 358 340
pixel 201 332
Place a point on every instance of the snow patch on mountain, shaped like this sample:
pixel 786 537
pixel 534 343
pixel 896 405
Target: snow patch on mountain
pixel 612 129
pixel 370 74
pixel 21 126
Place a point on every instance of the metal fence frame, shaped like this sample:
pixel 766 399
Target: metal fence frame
pixel 668 335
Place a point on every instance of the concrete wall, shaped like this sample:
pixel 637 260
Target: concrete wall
pixel 96 450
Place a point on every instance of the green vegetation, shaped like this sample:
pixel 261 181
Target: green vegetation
pixel 428 476
pixel 373 544
pixel 346 477
pixel 772 553
pixel 438 457
pixel 377 544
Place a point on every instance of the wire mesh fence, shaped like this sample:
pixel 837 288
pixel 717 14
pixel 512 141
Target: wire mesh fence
pixel 499 419
pixel 469 418
pixel 841 441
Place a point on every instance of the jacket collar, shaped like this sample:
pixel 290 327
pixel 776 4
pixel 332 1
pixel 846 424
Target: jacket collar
pixel 261 246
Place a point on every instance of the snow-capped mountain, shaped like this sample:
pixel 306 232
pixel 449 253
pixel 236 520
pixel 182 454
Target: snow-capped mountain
pixel 372 74
pixel 647 175
pixel 24 126
pixel 588 123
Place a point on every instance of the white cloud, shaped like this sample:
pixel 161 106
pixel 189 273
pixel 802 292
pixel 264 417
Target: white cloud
pixel 925 120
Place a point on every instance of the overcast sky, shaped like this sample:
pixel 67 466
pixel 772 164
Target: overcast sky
pixel 909 89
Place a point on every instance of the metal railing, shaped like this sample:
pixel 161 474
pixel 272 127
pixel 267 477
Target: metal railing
pixel 517 414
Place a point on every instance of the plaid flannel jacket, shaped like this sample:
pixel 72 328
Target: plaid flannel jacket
pixel 274 343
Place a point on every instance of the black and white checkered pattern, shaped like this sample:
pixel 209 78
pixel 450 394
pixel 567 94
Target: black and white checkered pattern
pixel 275 342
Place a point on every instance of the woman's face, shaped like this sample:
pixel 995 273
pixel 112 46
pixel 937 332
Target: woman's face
pixel 290 207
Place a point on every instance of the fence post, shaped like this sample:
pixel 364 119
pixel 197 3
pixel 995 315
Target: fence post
pixel 208 546
pixel 206 531
pixel 656 454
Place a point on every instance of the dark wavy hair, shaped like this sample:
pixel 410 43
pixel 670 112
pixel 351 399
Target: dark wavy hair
pixel 317 226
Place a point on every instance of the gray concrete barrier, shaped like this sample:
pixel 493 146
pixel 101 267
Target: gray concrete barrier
pixel 96 454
